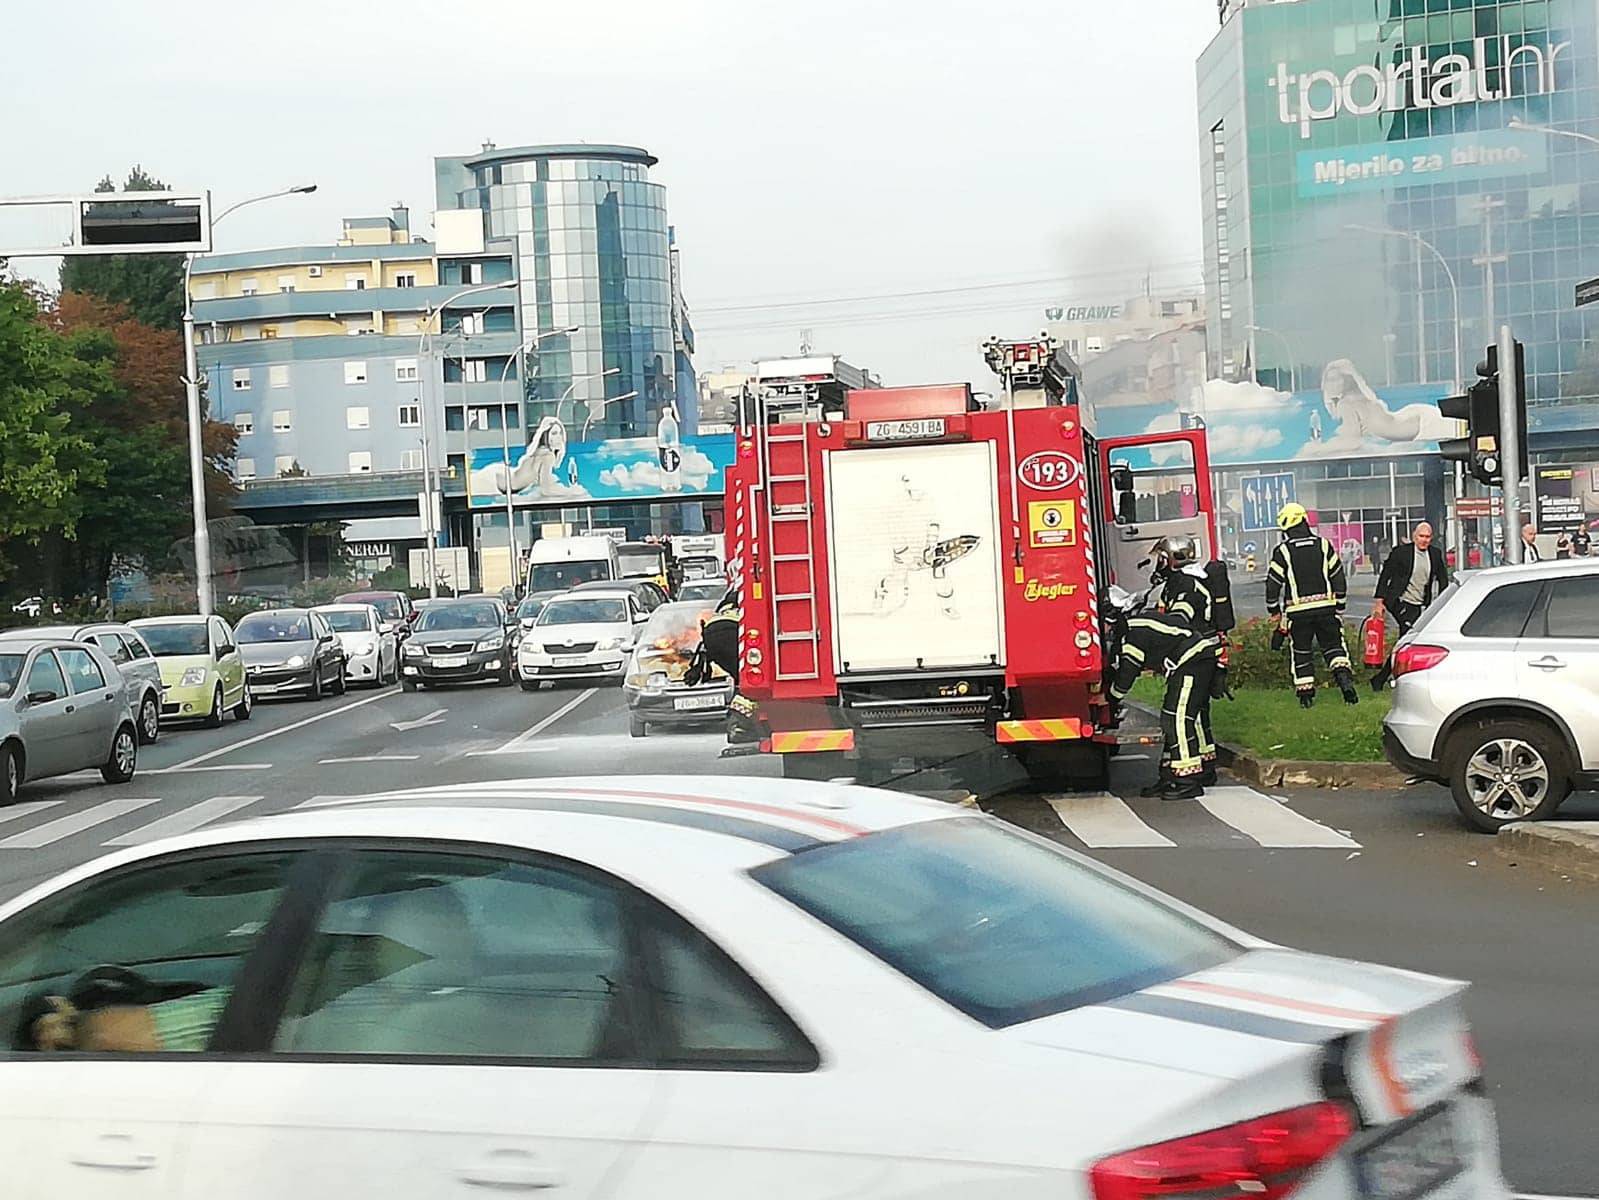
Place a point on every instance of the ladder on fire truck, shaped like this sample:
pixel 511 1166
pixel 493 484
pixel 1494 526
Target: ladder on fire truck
pixel 787 505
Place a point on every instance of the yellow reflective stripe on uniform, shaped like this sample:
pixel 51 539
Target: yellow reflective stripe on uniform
pixel 1158 626
pixel 1194 651
pixel 1133 652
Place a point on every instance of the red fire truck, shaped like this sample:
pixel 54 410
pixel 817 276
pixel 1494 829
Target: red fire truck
pixel 922 575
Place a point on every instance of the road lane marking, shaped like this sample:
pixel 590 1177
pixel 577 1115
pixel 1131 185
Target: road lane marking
pixel 436 717
pixel 366 758
pixel 1271 824
pixel 272 733
pixel 528 734
pixel 185 820
pixel 218 767
pixel 64 827
pixel 1104 820
pixel 27 810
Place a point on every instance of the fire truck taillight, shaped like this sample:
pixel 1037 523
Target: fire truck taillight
pixel 1082 615
pixel 1084 639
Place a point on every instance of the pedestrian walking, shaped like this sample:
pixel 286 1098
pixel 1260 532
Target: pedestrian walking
pixel 1529 543
pixel 1412 577
pixel 1167 643
pixel 1307 590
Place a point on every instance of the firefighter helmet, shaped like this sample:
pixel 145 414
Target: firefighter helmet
pixel 1291 515
pixel 1177 552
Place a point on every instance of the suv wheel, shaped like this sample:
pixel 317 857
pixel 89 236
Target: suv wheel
pixel 1507 770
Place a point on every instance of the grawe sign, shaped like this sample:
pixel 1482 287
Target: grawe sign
pixel 1496 69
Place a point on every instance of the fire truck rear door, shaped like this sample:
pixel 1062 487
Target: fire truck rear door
pixel 1156 486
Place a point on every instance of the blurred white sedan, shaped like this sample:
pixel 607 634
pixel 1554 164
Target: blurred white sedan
pixel 664 988
pixel 371 645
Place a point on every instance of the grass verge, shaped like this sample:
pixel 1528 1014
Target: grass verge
pixel 1270 722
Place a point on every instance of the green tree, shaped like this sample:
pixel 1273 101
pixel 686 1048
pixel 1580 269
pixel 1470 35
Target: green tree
pixel 45 463
pixel 151 285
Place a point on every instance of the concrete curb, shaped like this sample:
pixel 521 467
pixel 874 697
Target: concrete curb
pixel 1554 845
pixel 1290 772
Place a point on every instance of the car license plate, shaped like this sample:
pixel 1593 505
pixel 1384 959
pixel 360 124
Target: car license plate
pixel 449 660
pixel 569 660
pixel 904 431
pixel 1411 1161
pixel 691 702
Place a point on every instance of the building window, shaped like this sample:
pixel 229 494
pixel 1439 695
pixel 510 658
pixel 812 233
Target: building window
pixel 355 326
pixel 268 332
pixel 285 464
pixel 474 370
pixel 278 375
pixel 454 418
pixel 249 287
pixel 241 379
pixel 354 281
pixel 357 417
pixel 405 370
pixel 410 416
pixel 405 279
pixel 244 468
pixel 355 372
pixel 285 283
pixel 282 421
pixel 472 324
pixel 205 291
pixel 244 423
pixel 360 461
pixel 472 272
pixel 410 460
pixel 455 466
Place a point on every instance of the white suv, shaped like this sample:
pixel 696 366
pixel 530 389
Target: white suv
pixel 1497 691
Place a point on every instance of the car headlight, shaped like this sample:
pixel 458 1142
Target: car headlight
pixel 192 677
pixel 295 660
pixel 490 643
pixel 637 681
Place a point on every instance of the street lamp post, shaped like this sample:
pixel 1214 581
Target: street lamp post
pixel 205 592
pixel 1455 537
pixel 577 379
pixel 424 377
pixel 609 400
pixel 1518 123
pixel 505 436
pixel 1293 368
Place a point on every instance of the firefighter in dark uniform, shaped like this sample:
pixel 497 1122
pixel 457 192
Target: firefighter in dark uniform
pixel 1202 595
pixel 719 646
pixel 1169 643
pixel 1307 589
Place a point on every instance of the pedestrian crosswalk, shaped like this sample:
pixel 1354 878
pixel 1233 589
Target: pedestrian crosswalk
pixel 1225 818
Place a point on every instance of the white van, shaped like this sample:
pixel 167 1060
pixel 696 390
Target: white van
pixel 555 564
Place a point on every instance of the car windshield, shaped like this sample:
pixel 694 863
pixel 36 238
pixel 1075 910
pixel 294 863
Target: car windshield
pixel 644 561
pixel 558 576
pixel 10 669
pixel 172 641
pixel 705 589
pixel 389 607
pixel 347 620
pixel 999 924
pixel 533 605
pixel 582 612
pixel 273 627
pixel 460 616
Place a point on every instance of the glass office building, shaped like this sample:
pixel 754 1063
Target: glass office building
pixel 1385 182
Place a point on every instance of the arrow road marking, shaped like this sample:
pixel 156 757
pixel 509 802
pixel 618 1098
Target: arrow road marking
pixel 436 717
pixel 272 733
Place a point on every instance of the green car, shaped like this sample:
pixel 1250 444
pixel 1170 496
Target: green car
pixel 201 667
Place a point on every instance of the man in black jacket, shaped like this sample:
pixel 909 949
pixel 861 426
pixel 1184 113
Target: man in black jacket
pixel 1411 579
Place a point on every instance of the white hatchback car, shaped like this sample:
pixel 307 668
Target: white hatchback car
pixel 679 988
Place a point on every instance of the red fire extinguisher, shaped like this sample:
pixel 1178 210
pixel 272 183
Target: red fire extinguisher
pixel 1374 638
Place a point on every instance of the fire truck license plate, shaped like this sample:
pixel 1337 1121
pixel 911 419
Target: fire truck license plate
pixel 904 431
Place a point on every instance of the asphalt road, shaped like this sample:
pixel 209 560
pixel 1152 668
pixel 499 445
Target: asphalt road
pixel 1382 876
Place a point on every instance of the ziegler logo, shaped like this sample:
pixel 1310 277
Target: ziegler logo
pixel 1048 470
pixel 1037 589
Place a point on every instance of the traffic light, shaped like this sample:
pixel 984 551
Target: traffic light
pixel 1478 407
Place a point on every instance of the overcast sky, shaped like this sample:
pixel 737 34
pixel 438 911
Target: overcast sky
pixel 813 150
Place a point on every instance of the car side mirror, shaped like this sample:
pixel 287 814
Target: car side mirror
pixel 42 696
pixel 640 618
pixel 385 627
pixel 223 651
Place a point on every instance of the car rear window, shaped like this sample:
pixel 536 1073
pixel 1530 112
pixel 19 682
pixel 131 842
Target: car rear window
pixel 1503 612
pixel 1001 925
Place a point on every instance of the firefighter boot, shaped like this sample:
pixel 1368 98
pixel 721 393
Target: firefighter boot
pixel 1345 680
pixel 1207 777
pixel 1180 788
pixel 1307 697
pixel 1163 780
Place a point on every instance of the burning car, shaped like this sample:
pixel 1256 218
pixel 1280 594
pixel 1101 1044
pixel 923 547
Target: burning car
pixel 655 686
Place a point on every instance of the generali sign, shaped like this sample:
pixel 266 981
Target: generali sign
pixel 1414 80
